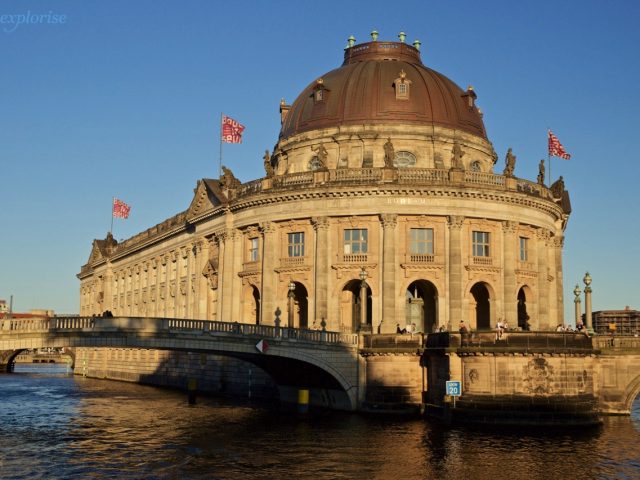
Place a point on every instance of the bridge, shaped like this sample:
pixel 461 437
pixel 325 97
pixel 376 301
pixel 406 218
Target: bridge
pixel 543 377
pixel 292 357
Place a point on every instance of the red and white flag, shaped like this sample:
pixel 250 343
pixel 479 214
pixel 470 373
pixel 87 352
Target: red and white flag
pixel 231 130
pixel 555 147
pixel 120 209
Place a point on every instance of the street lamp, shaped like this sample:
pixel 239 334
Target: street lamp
pixel 291 295
pixel 363 299
pixel 587 301
pixel 576 301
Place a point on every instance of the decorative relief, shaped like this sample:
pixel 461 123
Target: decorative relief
pixel 543 234
pixel 538 377
pixel 210 272
pixel 252 232
pixel 183 286
pixel 389 220
pixel 509 226
pixel 172 288
pixel 268 227
pixel 455 221
pixel 320 223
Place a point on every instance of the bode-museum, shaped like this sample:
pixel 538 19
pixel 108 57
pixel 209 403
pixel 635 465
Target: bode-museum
pixel 383 205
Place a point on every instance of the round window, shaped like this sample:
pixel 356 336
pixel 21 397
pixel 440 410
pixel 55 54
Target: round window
pixel 475 166
pixel 315 163
pixel 404 159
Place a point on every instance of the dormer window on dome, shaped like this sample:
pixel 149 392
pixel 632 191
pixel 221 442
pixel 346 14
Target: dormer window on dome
pixel 402 85
pixel 320 91
pixel 470 96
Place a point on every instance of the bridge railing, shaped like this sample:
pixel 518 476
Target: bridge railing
pixel 393 342
pixel 511 340
pixel 616 342
pixel 263 331
pixel 169 325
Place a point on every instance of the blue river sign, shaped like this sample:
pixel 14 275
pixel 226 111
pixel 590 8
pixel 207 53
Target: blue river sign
pixel 454 388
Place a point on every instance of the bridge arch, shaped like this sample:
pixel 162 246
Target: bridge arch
pixel 631 393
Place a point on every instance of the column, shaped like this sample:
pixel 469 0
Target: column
pixel 543 320
pixel 577 301
pixel 587 302
pixel 238 257
pixel 202 295
pixel 226 276
pixel 510 296
pixel 388 320
pixel 108 288
pixel 454 223
pixel 321 283
pixel 270 256
pixel 558 243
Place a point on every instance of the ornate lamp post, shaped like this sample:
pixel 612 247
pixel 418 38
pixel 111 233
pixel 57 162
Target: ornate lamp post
pixel 587 301
pixel 291 295
pixel 363 299
pixel 577 301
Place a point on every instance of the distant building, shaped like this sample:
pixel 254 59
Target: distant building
pixel 626 322
pixel 4 308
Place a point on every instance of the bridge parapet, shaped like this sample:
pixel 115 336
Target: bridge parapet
pixel 169 325
pixel 617 343
pixel 548 342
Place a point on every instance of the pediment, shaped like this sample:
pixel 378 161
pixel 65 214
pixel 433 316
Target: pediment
pixel 208 196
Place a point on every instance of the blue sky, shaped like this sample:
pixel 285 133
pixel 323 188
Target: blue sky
pixel 123 99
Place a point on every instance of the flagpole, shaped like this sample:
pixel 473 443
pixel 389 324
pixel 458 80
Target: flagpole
pixel 113 199
pixel 549 155
pixel 220 139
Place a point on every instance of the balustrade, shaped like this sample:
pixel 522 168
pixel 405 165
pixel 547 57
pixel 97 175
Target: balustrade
pixel 487 261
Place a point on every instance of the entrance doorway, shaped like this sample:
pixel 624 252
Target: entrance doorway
pixel 300 306
pixel 523 316
pixel 483 306
pixel 422 306
pixel 350 306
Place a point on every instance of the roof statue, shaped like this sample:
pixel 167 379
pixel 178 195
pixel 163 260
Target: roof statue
pixel 228 179
pixel 389 154
pixel 456 156
pixel 541 172
pixel 510 163
pixel 321 155
pixel 268 168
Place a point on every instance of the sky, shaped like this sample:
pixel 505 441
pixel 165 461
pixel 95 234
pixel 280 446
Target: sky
pixel 120 98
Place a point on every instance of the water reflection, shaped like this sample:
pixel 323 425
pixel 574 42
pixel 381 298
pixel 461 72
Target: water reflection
pixel 55 426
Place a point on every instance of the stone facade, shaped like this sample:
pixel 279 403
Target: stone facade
pixel 406 198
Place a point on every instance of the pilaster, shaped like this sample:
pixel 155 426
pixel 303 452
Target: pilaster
pixel 270 254
pixel 454 222
pixel 510 296
pixel 543 320
pixel 321 283
pixel 388 320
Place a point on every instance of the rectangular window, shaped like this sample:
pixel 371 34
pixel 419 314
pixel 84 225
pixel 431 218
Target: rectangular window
pixel 253 249
pixel 355 241
pixel 421 241
pixel 481 244
pixel 524 249
pixel 296 244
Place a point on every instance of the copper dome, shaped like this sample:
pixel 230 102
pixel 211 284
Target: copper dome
pixel 362 91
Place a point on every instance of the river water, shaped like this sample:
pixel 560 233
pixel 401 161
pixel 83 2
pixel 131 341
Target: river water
pixel 56 426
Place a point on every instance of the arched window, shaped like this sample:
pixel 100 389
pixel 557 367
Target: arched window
pixel 404 159
pixel 475 166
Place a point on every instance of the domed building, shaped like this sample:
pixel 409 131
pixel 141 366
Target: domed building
pixel 380 208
